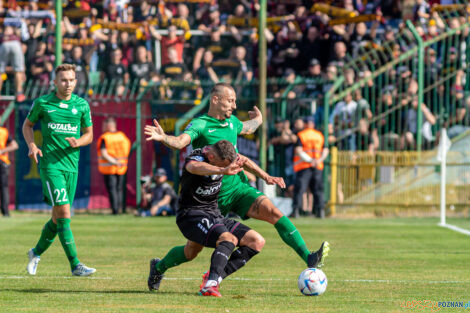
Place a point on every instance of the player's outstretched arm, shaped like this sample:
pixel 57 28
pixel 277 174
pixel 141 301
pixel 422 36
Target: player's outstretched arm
pixel 28 135
pixel 156 133
pixel 84 140
pixel 250 126
pixel 204 168
pixel 253 168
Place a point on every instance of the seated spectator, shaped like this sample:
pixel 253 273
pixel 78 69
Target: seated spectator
pixel 158 197
pixel 117 73
pixel 143 70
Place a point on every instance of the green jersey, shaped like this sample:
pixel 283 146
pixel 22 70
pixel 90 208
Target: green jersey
pixel 60 119
pixel 206 130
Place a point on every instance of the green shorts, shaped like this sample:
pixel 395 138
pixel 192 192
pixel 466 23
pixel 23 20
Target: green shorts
pixel 239 199
pixel 58 187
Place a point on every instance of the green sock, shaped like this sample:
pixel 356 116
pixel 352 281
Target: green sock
pixel 173 258
pixel 67 241
pixel 49 231
pixel 291 236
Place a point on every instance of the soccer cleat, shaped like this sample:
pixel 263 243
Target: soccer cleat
pixel 205 278
pixel 33 262
pixel 155 277
pixel 315 259
pixel 83 270
pixel 212 291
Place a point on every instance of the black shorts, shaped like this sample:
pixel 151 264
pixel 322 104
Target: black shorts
pixel 205 228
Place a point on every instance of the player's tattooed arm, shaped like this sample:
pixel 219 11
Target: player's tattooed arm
pixel 156 133
pixel 253 168
pixel 250 126
pixel 176 142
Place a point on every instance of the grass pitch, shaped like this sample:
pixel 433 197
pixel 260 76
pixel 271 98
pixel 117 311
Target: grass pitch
pixel 377 265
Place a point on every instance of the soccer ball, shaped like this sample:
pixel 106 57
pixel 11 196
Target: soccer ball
pixel 312 282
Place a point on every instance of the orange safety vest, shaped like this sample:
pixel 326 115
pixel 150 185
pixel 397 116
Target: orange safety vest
pixel 3 144
pixel 118 146
pixel 312 143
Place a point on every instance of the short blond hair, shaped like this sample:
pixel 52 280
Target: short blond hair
pixel 64 68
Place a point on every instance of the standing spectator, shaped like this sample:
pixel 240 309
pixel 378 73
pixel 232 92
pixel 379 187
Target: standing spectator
pixel 81 69
pixel 309 155
pixel 12 54
pixel 311 46
pixel 142 69
pixel 245 72
pixel 113 152
pixel 41 66
pixel 171 41
pixel 206 72
pixel 173 71
pixel 421 12
pixel 159 198
pixel 117 72
pixel 7 144
pixel 339 55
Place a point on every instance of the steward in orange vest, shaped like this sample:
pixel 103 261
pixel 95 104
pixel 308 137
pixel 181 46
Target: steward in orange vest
pixel 308 166
pixel 113 152
pixel 117 146
pixel 7 144
pixel 312 144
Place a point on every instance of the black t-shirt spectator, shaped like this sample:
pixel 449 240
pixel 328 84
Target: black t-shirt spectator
pixel 142 70
pixel 175 71
pixel 116 72
pixel 220 49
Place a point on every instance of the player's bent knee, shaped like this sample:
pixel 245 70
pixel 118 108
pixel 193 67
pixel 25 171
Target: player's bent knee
pixel 227 237
pixel 254 240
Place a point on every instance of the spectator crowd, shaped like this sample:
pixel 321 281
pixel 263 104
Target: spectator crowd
pixel 133 43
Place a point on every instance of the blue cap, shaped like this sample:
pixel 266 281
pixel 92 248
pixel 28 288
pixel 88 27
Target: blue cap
pixel 160 172
pixel 309 119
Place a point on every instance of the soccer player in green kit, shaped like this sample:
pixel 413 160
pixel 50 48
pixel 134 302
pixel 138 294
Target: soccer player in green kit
pixel 62 115
pixel 236 194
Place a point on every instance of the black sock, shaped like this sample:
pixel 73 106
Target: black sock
pixel 219 259
pixel 238 259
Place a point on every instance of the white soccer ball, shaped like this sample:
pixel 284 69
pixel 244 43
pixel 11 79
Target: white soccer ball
pixel 312 282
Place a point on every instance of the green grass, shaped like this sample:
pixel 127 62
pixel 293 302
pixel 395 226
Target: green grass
pixel 374 266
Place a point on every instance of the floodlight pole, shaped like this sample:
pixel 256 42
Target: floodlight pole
pixel 58 33
pixel 262 82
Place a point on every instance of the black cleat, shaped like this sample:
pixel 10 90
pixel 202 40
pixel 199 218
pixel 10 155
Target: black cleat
pixel 155 277
pixel 315 259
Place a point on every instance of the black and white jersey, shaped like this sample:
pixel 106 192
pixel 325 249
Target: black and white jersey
pixel 199 192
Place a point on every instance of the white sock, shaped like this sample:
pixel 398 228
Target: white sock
pixel 211 283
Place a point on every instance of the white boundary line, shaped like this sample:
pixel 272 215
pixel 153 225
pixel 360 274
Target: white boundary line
pixel 51 277
pixel 455 228
pixel 387 281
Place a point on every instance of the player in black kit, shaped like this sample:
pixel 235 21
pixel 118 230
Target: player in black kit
pixel 199 219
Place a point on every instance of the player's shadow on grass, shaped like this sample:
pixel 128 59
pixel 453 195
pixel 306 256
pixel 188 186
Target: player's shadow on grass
pixel 44 290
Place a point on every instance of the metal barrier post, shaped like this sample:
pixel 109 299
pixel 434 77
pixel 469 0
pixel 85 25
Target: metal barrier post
pixel 419 40
pixel 334 174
